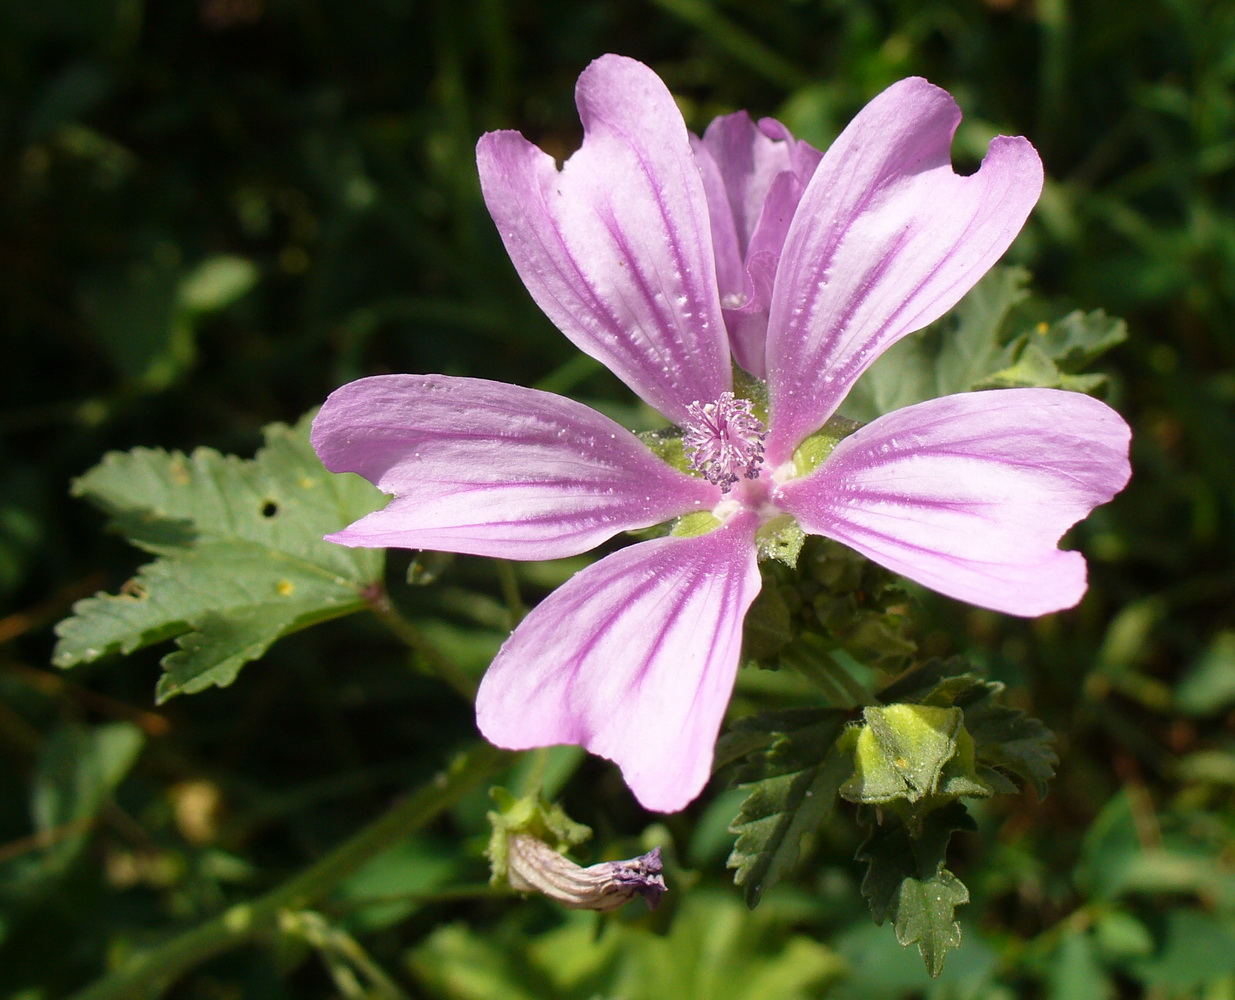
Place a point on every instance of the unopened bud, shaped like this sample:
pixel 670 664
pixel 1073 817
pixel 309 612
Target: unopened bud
pixel 534 866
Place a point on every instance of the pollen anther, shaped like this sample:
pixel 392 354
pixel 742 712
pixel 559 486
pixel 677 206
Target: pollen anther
pixel 724 440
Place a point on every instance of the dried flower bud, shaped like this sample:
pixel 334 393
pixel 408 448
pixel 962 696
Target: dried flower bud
pixel 534 866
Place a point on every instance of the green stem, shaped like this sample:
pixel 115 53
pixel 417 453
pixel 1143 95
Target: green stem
pixel 510 591
pixel 838 685
pixel 438 662
pixel 858 692
pixel 343 954
pixel 149 975
pixel 740 44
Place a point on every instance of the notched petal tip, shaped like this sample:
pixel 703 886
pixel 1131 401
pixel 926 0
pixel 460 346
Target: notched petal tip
pixel 615 246
pixel 970 494
pixel 895 236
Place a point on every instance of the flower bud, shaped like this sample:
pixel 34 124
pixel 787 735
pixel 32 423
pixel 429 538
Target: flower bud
pixel 534 866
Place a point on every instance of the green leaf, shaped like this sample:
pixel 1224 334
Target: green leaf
pixel 241 559
pixel 768 626
pixel 1209 686
pixel 77 769
pixel 791 774
pixel 859 605
pixel 712 949
pixel 217 282
pixel 925 915
pixel 146 313
pixel 1120 936
pixel 1197 947
pixel 1007 738
pixel 394 884
pixel 893 853
pixel 1076 970
pixel 906 879
pixel 988 341
pixel 1080 338
pixel 1053 356
pixel 951 355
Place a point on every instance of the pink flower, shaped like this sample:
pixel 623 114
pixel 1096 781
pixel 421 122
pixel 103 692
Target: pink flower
pixel 664 256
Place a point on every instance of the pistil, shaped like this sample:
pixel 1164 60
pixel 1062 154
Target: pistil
pixel 723 440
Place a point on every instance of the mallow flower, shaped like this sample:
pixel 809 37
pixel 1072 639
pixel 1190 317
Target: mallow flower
pixel 669 258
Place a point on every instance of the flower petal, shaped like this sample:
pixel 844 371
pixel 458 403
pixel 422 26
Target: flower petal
pixel 493 469
pixel 969 494
pixel 754 176
pixel 726 248
pixel 886 239
pixel 616 248
pixel 634 658
pixel 748 162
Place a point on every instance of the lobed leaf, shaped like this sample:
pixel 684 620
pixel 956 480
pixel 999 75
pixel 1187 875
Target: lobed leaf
pixel 988 342
pixel 906 879
pixel 241 559
pixel 792 773
pixel 925 915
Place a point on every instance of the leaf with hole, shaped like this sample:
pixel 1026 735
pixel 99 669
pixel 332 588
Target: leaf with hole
pixel 241 559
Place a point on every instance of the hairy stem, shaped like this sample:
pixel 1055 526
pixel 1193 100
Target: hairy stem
pixel 147 976
pixel 438 662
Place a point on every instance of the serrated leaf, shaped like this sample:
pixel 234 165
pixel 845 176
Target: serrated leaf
pixel 1032 368
pixel 925 915
pixel 983 344
pixel 904 873
pixel 219 645
pixel 1052 356
pixel 960 776
pixel 1009 739
pixel 951 355
pixel 768 626
pixel 792 782
pixel 1080 338
pixel 242 559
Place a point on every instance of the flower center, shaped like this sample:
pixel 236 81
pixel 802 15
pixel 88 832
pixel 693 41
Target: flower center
pixel 724 440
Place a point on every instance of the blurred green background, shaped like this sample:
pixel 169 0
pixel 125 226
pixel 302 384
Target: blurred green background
pixel 214 212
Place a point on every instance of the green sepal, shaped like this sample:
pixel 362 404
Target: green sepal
pixel 696 524
pixel 814 450
pixel 781 539
pixel 529 815
pixel 667 446
pixel 746 386
pixel 909 752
